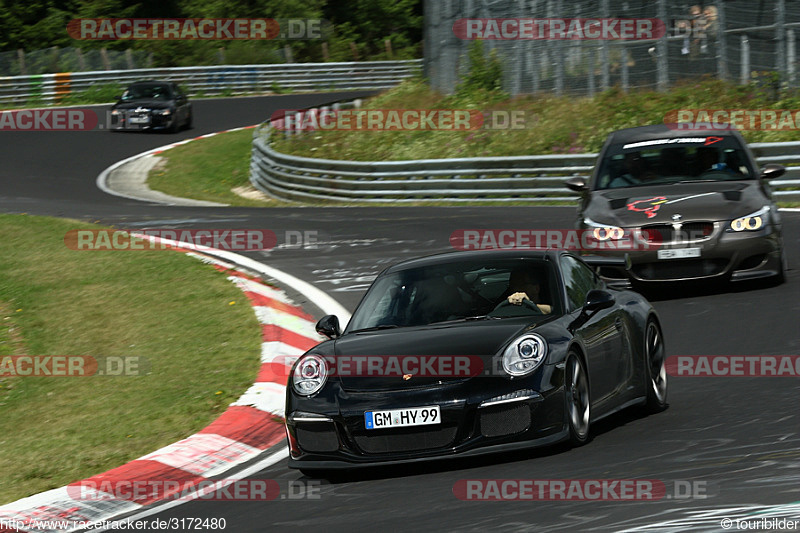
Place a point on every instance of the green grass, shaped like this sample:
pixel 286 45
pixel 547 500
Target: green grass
pixel 555 125
pixel 196 330
pixel 210 168
pixel 207 169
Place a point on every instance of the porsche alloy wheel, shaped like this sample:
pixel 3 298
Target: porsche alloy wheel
pixel 578 401
pixel 655 360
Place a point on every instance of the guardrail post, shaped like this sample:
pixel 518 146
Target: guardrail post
pixel 780 36
pixel 721 41
pixel 744 76
pixel 625 81
pixel 790 56
pixel 662 60
pixel 605 77
pixel 21 59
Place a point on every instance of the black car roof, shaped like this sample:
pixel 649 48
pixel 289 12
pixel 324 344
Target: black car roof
pixel 452 257
pixel 149 83
pixel 660 131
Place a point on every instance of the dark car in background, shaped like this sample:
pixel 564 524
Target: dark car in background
pixel 540 370
pixel 151 105
pixel 697 198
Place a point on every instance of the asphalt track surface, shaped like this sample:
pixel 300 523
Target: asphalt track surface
pixel 738 437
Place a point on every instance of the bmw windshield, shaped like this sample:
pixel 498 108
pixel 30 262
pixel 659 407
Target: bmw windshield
pixel 675 160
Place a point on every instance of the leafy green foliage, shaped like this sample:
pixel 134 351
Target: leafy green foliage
pixel 363 24
pixel 485 72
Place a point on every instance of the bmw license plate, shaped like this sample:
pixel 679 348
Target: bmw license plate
pixel 679 253
pixel 139 120
pixel 417 416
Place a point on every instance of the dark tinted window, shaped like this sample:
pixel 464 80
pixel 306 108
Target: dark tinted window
pixel 666 161
pixel 149 92
pixel 455 291
pixel 578 279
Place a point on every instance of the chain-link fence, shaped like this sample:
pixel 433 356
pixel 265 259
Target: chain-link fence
pixel 729 39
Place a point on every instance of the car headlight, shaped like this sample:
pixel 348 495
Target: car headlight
pixel 165 112
pixel 604 232
pixel 524 355
pixel 310 374
pixel 115 112
pixel 752 222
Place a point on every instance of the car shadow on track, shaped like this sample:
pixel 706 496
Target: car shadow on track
pixel 450 464
pixel 693 289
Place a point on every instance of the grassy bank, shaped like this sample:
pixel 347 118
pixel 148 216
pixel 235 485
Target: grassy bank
pixel 553 125
pixel 210 168
pixel 196 335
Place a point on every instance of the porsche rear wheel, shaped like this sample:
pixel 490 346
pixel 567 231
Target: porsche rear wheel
pixel 576 388
pixel 656 368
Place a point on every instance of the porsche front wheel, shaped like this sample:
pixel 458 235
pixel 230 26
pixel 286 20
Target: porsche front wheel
pixel 576 387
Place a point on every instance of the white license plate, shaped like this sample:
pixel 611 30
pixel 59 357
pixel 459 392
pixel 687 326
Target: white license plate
pixel 679 253
pixel 139 120
pixel 417 416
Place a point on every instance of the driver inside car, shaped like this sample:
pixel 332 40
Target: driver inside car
pixel 522 285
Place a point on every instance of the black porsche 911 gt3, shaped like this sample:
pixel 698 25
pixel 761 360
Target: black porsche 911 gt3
pixel 472 352
pixel 698 197
pixel 151 105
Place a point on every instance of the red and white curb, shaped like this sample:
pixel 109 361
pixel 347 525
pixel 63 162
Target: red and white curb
pixel 249 426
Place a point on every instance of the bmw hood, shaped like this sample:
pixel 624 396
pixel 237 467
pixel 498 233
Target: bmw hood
pixel 146 104
pixel 638 206
pixel 473 344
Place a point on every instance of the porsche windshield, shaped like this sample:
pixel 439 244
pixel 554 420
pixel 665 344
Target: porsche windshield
pixel 672 160
pixel 460 291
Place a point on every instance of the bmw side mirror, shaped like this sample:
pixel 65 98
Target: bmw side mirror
pixel 328 326
pixel 598 299
pixel 772 171
pixel 576 184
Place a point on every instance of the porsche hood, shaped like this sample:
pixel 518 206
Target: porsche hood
pixel 477 341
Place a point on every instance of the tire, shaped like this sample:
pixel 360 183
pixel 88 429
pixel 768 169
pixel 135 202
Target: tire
pixel 189 121
pixel 578 399
pixel 655 368
pixel 780 279
pixel 175 126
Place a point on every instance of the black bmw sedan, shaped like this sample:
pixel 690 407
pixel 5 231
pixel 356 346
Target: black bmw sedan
pixel 473 352
pixel 151 105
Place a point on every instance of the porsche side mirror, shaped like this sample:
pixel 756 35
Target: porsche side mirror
pixel 598 299
pixel 328 326
pixel 772 171
pixel 576 184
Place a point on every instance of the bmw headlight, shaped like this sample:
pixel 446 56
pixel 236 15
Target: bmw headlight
pixel 165 112
pixel 524 355
pixel 310 374
pixel 752 222
pixel 604 232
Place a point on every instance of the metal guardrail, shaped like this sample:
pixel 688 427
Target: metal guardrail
pixel 535 179
pixel 215 80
